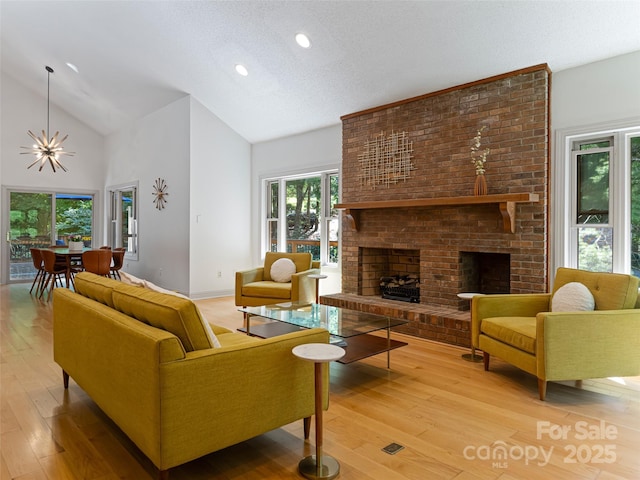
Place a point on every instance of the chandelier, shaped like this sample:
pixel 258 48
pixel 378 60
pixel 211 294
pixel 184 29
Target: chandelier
pixel 47 149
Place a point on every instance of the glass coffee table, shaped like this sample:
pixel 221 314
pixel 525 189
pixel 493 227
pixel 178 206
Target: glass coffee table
pixel 349 329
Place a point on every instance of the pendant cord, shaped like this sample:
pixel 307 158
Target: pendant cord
pixel 49 72
pixel 48 81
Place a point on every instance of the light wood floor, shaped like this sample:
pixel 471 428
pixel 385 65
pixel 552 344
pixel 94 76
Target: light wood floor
pixel 449 414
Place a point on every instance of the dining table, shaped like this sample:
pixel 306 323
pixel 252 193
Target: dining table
pixel 69 255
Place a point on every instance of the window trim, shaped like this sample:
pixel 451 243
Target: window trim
pixel 282 177
pixel 562 190
pixel 6 190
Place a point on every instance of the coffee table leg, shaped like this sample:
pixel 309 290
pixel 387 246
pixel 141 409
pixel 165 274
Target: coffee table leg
pixel 388 348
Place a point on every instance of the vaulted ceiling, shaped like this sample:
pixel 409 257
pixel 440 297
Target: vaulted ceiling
pixel 134 57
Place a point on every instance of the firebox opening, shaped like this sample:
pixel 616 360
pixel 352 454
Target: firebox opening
pixel 486 273
pixel 393 267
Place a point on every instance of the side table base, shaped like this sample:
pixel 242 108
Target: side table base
pixel 329 469
pixel 472 357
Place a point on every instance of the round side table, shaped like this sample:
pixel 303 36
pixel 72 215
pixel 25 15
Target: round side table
pixel 319 466
pixel 470 357
pixel 318 277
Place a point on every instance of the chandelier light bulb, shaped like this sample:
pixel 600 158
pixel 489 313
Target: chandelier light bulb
pixel 303 40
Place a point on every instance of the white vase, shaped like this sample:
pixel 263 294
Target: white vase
pixel 76 245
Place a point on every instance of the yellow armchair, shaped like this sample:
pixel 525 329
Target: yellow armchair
pixel 256 287
pixel 521 330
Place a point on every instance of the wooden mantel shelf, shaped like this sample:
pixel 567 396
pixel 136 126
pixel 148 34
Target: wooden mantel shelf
pixel 506 202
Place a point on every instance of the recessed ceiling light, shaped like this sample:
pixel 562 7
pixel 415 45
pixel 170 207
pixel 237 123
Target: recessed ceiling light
pixel 242 70
pixel 303 40
pixel 72 67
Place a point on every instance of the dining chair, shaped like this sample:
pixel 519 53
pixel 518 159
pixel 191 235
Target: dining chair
pixel 118 260
pixel 36 257
pixel 97 261
pixel 53 270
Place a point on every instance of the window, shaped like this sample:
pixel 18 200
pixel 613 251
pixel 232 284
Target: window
pixel 597 200
pixel 123 218
pixel 594 234
pixel 300 215
pixel 635 204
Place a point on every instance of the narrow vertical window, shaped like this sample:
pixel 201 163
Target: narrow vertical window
pixel 635 205
pixel 333 219
pixel 272 215
pixel 594 232
pixel 123 225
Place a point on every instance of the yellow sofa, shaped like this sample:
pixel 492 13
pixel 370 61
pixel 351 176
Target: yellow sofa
pixel 146 359
pixel 255 287
pixel 555 346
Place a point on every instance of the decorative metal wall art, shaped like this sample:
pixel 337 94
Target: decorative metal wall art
pixel 386 160
pixel 160 193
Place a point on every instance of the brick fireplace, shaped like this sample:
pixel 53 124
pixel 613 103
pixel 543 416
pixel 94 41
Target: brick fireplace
pixel 453 245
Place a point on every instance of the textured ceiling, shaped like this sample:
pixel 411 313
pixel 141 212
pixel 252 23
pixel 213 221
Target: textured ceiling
pixel 135 57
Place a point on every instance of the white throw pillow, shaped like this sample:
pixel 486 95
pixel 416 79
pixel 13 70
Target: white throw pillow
pixel 156 288
pixel 213 340
pixel 282 269
pixel 572 297
pixel 131 279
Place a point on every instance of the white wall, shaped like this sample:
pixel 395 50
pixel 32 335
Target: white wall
pixel 157 146
pixel 599 92
pixel 315 150
pixel 204 227
pixel 22 110
pixel 220 224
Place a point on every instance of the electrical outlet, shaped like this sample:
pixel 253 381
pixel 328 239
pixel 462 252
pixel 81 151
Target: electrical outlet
pixel 219 274
pixel 160 274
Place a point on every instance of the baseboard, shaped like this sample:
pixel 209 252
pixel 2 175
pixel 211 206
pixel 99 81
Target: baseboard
pixel 212 294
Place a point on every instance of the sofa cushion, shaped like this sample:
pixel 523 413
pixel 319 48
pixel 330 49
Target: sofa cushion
pixel 572 297
pixel 519 332
pixel 213 340
pixel 95 287
pixel 282 269
pixel 179 316
pixel 267 290
pixel 302 261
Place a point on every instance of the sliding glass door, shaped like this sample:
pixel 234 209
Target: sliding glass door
pixel 42 219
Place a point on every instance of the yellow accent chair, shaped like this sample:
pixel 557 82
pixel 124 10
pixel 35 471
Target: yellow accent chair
pixel 522 330
pixel 256 287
